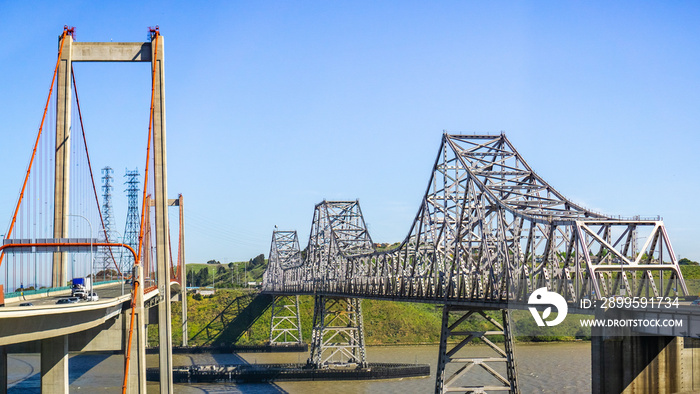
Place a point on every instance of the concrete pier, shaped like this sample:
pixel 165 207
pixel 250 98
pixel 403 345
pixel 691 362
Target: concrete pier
pixel 3 370
pixel 54 364
pixel 625 361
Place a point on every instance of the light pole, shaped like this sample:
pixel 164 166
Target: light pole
pixel 121 251
pixel 92 260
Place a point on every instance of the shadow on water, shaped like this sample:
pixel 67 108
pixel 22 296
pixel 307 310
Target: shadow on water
pixel 27 379
pixel 222 387
pixel 247 388
pixel 231 358
pixel 81 364
pixel 25 376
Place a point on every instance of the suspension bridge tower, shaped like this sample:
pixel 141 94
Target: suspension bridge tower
pixel 151 52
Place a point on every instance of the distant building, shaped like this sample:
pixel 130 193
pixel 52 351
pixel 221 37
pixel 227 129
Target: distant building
pixel 204 291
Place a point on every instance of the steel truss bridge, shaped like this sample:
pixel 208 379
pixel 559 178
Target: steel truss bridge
pixel 488 233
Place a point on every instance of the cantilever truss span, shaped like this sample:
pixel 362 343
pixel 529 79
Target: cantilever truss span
pixel 489 229
pixel 285 323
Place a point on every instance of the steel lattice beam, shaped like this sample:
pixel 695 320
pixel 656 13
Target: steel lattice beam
pixel 285 323
pixel 458 354
pixel 338 332
pixel 488 229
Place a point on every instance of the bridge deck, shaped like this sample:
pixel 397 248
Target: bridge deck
pixel 46 319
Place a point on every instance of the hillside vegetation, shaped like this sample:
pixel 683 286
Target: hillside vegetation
pixel 385 322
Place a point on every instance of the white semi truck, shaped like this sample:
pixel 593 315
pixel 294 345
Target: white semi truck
pixel 81 287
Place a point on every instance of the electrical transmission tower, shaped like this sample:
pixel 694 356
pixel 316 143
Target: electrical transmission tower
pixel 131 231
pixel 105 256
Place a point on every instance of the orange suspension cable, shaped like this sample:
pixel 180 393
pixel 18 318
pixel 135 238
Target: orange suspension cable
pixel 148 148
pixel 92 177
pixel 170 251
pixel 131 334
pixel 41 126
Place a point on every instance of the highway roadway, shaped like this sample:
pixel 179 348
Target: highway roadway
pixel 105 292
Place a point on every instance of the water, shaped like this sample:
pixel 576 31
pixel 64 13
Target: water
pixel 542 368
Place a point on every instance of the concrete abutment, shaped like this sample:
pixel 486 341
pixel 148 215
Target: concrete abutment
pixel 645 364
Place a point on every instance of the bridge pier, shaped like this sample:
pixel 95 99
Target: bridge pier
pixel 54 364
pixel 465 363
pixel 629 363
pixel 285 322
pixel 137 362
pixel 3 369
pixel 338 332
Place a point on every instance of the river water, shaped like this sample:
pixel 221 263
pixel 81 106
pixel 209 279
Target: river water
pixel 542 368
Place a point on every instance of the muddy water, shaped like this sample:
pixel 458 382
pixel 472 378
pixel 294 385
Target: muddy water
pixel 542 368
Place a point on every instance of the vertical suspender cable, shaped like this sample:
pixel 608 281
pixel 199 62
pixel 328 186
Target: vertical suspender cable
pixel 41 126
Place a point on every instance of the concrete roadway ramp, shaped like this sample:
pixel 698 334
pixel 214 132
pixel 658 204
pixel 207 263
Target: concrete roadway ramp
pixel 29 324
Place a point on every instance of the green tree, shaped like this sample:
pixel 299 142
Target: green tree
pixel 257 261
pixel 202 278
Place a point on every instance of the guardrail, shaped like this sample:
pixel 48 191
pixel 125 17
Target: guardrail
pixel 48 291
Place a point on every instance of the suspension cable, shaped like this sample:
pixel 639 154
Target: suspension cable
pixel 92 177
pixel 66 31
pixel 131 334
pixel 148 148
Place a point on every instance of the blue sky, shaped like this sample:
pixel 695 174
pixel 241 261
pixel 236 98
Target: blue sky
pixel 274 106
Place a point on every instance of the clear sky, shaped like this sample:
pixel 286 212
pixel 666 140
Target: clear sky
pixel 274 106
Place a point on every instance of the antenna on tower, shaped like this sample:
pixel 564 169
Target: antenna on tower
pixel 131 231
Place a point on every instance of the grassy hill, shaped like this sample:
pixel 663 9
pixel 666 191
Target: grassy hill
pixel 385 322
pixel 226 275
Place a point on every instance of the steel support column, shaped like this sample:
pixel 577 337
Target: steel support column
pixel 338 332
pixel 464 362
pixel 285 323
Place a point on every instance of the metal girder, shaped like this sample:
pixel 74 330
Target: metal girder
pixel 488 229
